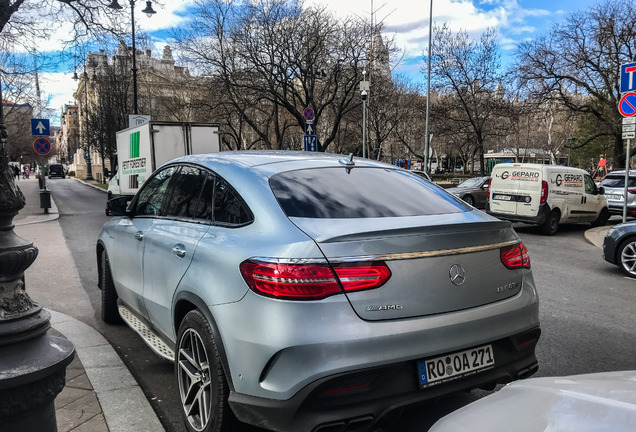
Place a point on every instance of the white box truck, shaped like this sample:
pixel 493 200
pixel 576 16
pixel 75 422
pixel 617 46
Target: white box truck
pixel 143 148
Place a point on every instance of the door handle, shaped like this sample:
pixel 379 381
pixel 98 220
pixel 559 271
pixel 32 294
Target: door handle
pixel 179 250
pixel 139 236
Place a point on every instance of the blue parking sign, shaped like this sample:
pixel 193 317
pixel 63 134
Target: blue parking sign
pixel 628 77
pixel 311 143
pixel 40 127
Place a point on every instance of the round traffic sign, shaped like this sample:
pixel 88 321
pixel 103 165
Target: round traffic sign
pixel 308 114
pixel 627 105
pixel 42 146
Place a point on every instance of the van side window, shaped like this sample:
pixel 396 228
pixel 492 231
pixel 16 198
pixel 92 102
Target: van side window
pixel 590 186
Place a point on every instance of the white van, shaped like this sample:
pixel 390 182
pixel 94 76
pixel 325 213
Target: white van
pixel 545 195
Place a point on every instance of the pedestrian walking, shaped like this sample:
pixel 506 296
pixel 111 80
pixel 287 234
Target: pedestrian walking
pixel 27 172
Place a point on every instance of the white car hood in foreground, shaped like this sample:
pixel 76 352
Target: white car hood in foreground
pixel 578 403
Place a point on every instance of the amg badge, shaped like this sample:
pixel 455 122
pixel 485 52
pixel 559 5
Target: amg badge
pixel 384 307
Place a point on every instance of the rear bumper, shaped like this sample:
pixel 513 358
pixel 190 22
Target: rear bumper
pixel 371 393
pixel 353 372
pixel 539 219
pixel 617 209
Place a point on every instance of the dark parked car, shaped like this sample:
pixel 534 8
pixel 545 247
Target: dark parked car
pixel 619 247
pixel 314 292
pixel 57 170
pixel 474 191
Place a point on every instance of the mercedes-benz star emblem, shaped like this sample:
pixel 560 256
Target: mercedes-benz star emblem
pixel 457 274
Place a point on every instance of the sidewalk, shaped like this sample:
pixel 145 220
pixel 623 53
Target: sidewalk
pixel 100 393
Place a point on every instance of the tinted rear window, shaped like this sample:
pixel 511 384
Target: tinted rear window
pixel 617 181
pixel 331 193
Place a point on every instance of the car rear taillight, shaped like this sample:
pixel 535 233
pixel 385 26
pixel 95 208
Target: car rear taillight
pixel 488 187
pixel 515 257
pixel 632 191
pixel 312 281
pixel 544 191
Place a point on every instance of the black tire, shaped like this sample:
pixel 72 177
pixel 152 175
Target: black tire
pixel 626 257
pixel 197 355
pixel 551 225
pixel 602 218
pixel 110 311
pixel 469 200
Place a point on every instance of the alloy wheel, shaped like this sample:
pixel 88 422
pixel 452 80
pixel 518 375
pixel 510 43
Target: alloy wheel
pixel 194 379
pixel 628 258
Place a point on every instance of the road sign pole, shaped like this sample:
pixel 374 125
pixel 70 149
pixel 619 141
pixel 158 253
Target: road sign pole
pixel 364 127
pixel 629 143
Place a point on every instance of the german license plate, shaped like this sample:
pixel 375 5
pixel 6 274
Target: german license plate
pixel 614 197
pixel 453 366
pixel 502 197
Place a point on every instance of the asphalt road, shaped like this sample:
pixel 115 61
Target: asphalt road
pixel 587 311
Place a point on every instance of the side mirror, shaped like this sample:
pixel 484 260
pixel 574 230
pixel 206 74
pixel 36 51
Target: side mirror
pixel 117 206
pixel 601 190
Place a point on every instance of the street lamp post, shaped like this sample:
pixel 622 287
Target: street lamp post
pixel 364 94
pixel 427 141
pixel 149 11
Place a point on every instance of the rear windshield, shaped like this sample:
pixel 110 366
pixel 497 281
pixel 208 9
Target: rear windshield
pixel 332 193
pixel 617 181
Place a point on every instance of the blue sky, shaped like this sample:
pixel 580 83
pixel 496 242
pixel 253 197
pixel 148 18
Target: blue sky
pixel 407 20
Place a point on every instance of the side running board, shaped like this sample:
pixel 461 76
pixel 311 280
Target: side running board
pixel 150 337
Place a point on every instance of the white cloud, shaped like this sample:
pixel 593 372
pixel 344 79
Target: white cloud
pixel 170 14
pixel 59 89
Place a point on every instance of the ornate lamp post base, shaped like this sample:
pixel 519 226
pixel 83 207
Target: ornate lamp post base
pixel 33 374
pixel 32 363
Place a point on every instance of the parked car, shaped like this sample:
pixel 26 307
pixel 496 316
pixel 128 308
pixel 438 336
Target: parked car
pixel 423 174
pixel 314 292
pixel 614 185
pixel 580 403
pixel 619 247
pixel 57 170
pixel 473 190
